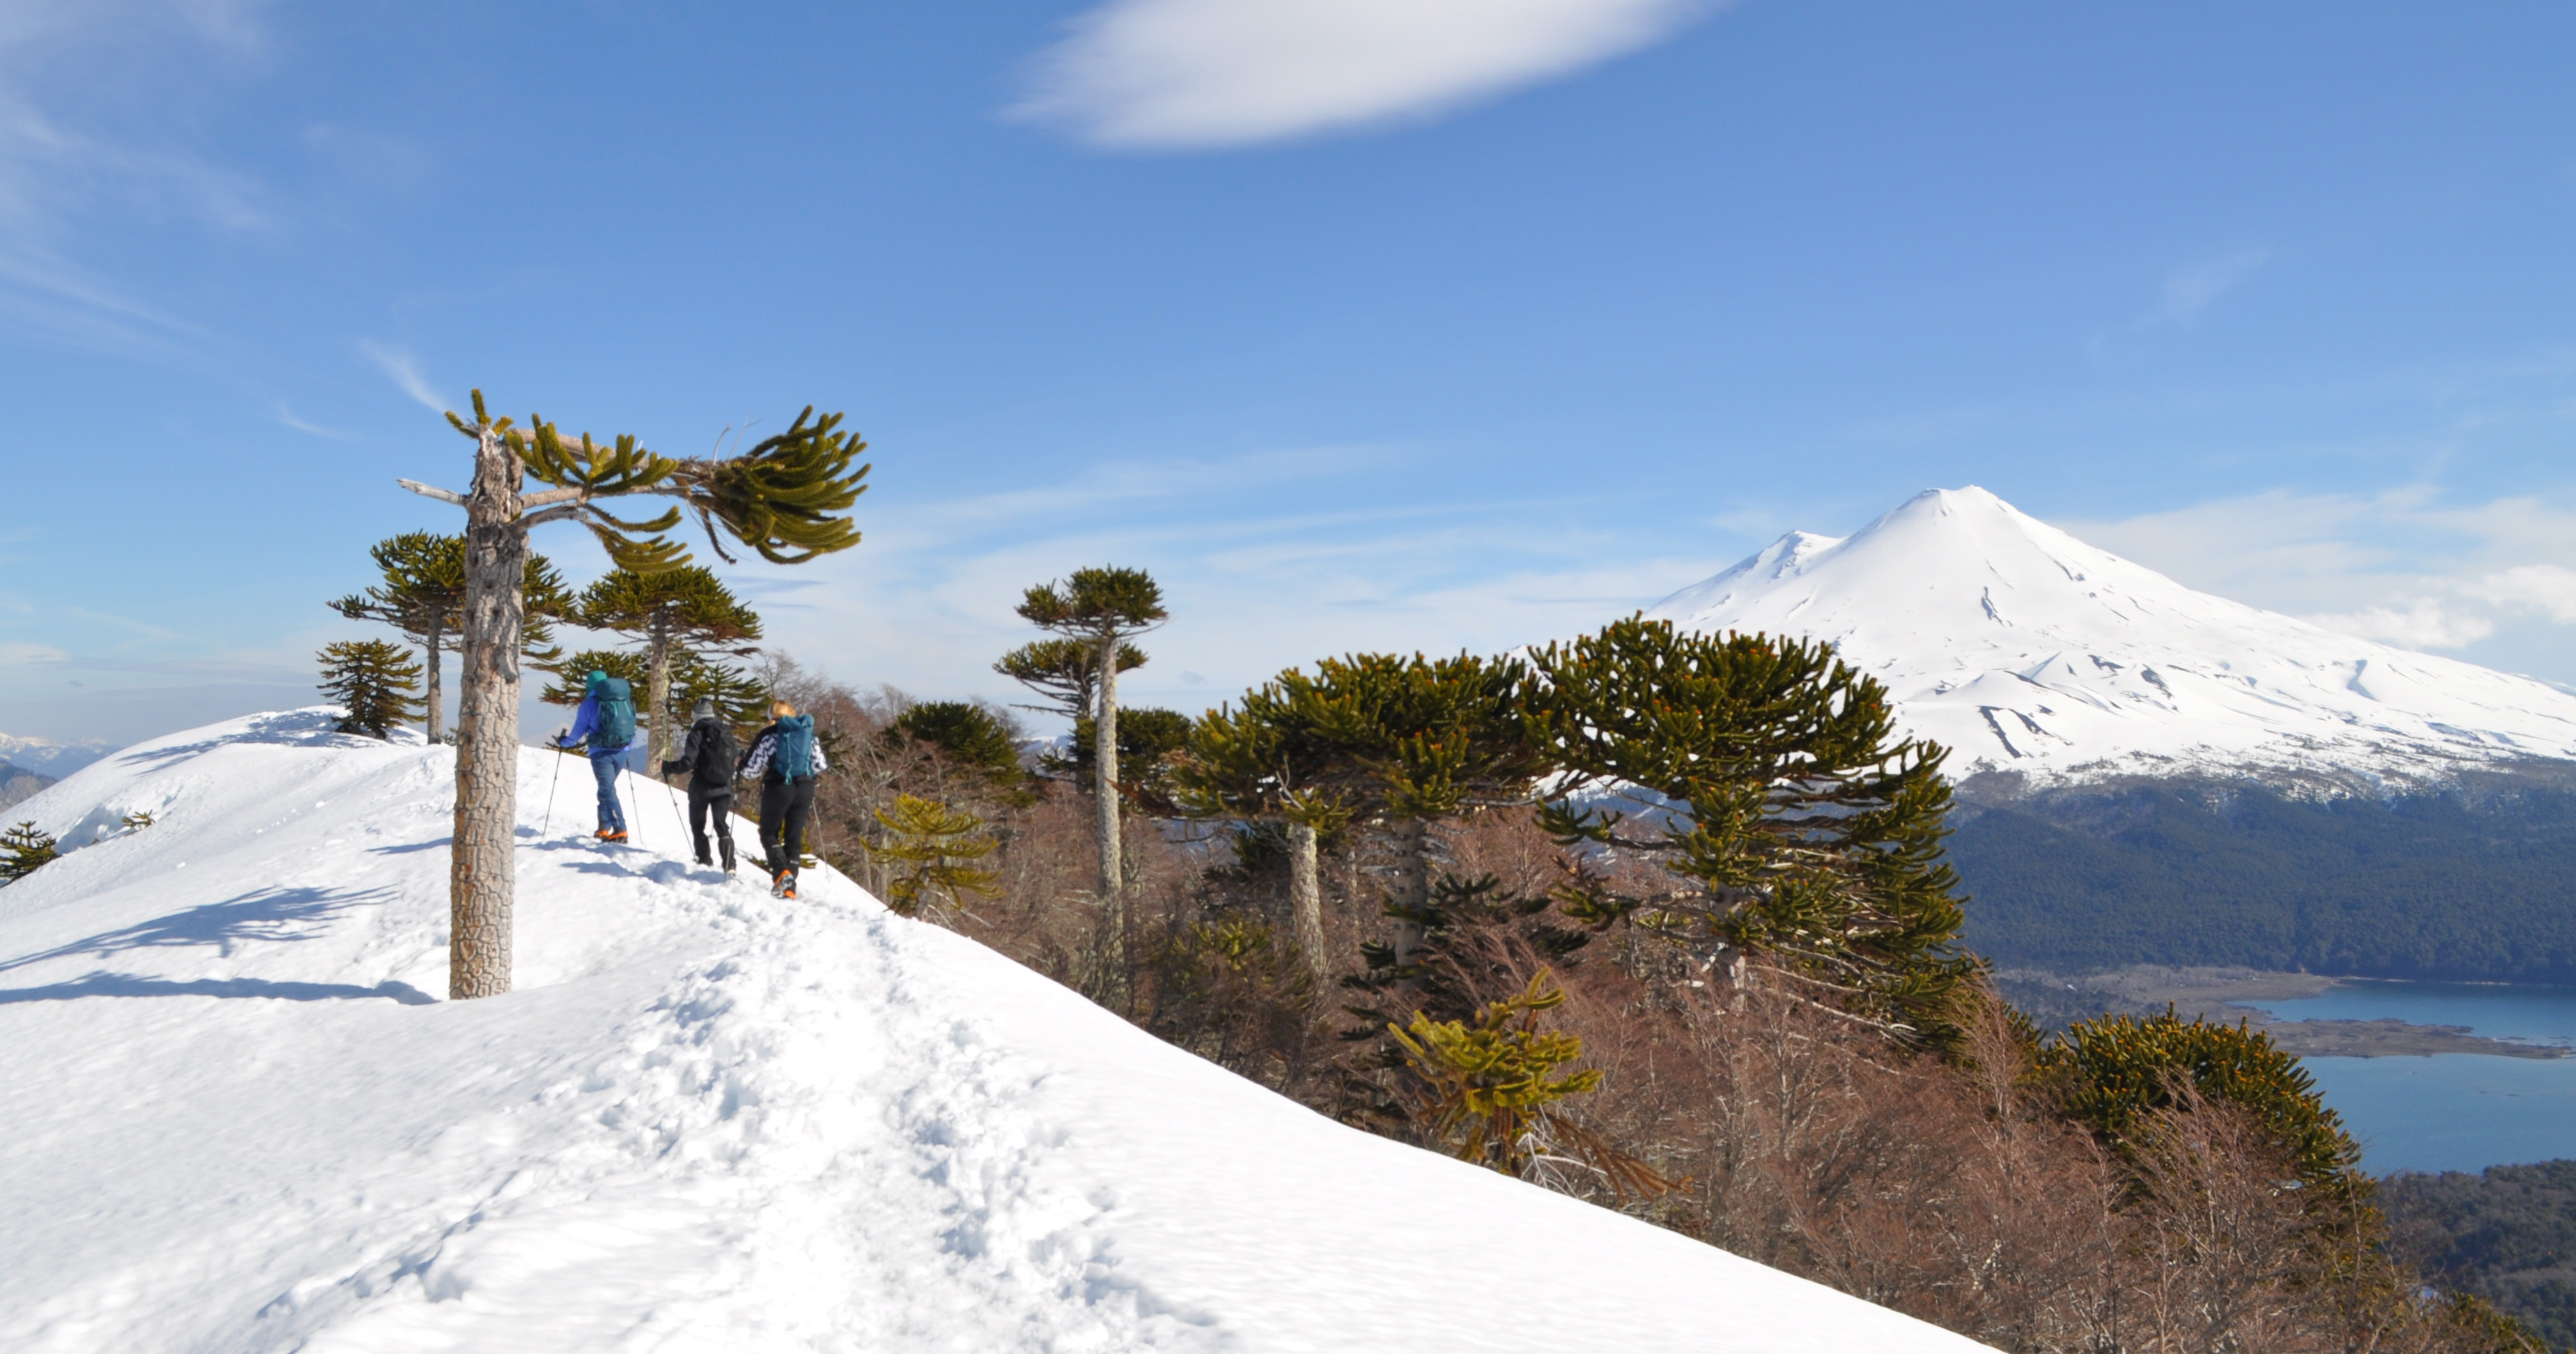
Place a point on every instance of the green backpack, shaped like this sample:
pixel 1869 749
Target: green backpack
pixel 616 728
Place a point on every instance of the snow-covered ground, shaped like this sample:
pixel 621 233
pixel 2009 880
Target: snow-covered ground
pixel 707 1121
pixel 2024 649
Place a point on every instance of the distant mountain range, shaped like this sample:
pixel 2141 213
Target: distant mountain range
pixel 18 783
pixel 2034 655
pixel 2149 774
pixel 48 758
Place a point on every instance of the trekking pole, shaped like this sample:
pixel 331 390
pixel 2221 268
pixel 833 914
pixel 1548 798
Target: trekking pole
pixel 550 794
pixel 679 823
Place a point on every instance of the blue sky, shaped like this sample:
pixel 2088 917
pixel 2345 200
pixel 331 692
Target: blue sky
pixel 1361 323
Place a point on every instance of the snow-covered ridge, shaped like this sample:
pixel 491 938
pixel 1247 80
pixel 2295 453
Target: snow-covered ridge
pixel 239 1120
pixel 2026 650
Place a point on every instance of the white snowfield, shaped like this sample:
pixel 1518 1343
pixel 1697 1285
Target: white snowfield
pixel 237 1119
pixel 2025 650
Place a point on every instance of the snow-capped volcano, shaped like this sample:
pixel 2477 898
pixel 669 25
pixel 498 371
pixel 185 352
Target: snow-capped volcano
pixel 2024 649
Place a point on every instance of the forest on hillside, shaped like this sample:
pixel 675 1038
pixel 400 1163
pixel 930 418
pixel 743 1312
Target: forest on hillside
pixel 2507 1234
pixel 2455 886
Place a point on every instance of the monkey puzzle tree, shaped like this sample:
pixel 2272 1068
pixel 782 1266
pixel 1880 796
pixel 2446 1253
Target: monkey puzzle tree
pixel 1066 671
pixel 1775 784
pixel 1099 609
pixel 1394 742
pixel 376 684
pixel 787 498
pixel 423 595
pixel 673 613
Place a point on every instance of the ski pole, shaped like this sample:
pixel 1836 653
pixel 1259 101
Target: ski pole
pixel 550 794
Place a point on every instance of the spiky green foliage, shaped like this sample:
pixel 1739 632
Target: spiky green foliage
pixel 968 735
pixel 1065 671
pixel 422 594
pixel 784 498
pixel 1486 1083
pixel 22 849
pixel 1369 734
pixel 931 849
pixel 688 606
pixel 741 701
pixel 2113 1074
pixel 376 684
pixel 1809 831
pixel 1096 603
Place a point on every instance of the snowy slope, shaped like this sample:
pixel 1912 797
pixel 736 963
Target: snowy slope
pixel 2024 649
pixel 707 1121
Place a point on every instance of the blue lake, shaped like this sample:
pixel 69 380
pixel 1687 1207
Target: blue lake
pixel 2452 1111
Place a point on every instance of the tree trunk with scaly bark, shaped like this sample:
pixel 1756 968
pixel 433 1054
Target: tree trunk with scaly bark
pixel 657 685
pixel 437 718
pixel 1409 884
pixel 1306 898
pixel 1104 744
pixel 482 873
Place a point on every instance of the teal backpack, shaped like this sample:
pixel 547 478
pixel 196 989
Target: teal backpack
pixel 795 754
pixel 616 727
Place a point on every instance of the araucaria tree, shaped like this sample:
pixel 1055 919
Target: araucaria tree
pixel 1776 786
pixel 679 613
pixel 1391 742
pixel 787 498
pixel 376 685
pixel 1099 609
pixel 423 596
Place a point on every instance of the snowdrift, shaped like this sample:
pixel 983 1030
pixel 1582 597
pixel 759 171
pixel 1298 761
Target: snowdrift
pixel 2026 650
pixel 239 1119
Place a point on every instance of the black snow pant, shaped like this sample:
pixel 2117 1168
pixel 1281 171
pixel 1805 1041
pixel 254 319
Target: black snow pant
pixel 717 804
pixel 783 806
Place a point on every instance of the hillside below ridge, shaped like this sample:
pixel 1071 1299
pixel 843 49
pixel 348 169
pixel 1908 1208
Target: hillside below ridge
pixel 706 1118
pixel 2041 660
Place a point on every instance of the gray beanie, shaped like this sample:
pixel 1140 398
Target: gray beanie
pixel 704 709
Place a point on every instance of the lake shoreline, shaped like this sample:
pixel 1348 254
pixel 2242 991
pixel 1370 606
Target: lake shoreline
pixel 2224 994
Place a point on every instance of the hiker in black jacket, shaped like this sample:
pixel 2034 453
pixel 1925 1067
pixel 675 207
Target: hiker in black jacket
pixel 708 758
pixel 785 758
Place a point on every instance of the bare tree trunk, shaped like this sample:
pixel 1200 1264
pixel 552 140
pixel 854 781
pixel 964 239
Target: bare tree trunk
pixel 1306 898
pixel 437 636
pixel 480 865
pixel 657 684
pixel 1410 886
pixel 1104 744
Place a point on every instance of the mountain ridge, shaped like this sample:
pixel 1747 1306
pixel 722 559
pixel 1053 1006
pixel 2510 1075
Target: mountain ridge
pixel 2042 660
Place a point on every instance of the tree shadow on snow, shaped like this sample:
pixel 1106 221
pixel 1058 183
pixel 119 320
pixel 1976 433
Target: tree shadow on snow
pixel 124 985
pixel 264 914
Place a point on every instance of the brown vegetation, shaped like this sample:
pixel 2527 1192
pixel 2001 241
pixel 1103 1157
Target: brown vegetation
pixel 1752 1114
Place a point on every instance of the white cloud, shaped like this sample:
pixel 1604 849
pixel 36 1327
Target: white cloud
pixel 2401 567
pixel 404 370
pixel 20 655
pixel 2425 625
pixel 2545 587
pixel 1181 73
pixel 2193 287
pixel 129 67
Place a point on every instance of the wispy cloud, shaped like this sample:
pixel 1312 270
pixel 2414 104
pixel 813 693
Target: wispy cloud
pixel 2194 287
pixel 2403 567
pixel 20 655
pixel 1205 73
pixel 404 370
pixel 118 154
pixel 287 417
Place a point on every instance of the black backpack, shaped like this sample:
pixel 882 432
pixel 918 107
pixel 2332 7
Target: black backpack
pixel 715 754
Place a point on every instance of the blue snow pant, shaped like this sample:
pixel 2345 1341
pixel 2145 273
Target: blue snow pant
pixel 605 766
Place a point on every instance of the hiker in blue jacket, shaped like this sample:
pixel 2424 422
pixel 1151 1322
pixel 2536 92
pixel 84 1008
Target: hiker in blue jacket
pixel 785 759
pixel 605 721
